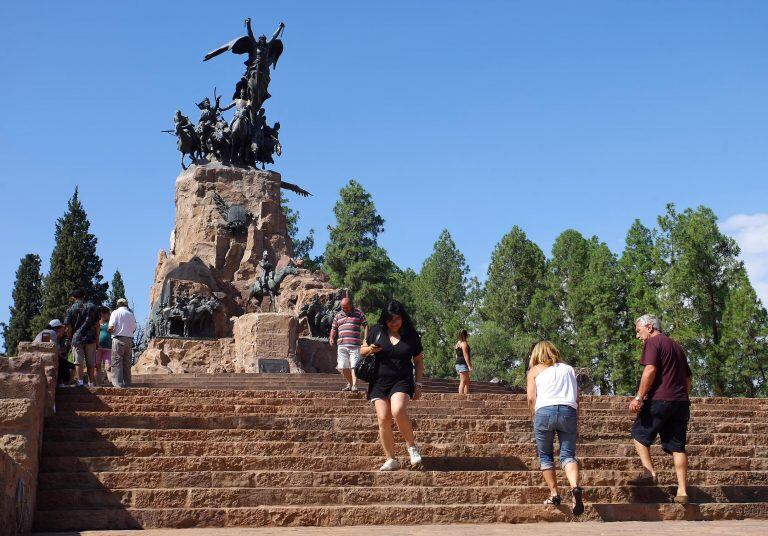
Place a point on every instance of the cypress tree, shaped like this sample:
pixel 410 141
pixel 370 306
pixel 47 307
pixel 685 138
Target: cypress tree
pixel 74 264
pixel 116 290
pixel 27 301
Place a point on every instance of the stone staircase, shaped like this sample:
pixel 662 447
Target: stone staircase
pixel 289 382
pixel 206 457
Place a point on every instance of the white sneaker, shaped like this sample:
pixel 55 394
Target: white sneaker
pixel 415 455
pixel 390 465
pixel 79 383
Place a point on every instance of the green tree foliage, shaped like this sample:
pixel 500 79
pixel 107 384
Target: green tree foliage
pixel 116 290
pixel 353 258
pixel 600 321
pixel 701 264
pixel 302 247
pixel 642 270
pixel 498 354
pixel 74 264
pixel 744 340
pixel 440 293
pixel 27 300
pixel 514 274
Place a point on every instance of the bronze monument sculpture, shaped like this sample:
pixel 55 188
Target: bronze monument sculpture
pixel 248 139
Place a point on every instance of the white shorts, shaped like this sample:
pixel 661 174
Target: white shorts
pixel 347 357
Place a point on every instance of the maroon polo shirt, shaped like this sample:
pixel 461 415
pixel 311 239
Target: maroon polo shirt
pixel 672 370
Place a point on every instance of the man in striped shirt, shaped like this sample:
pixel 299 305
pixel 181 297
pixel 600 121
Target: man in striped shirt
pixel 352 328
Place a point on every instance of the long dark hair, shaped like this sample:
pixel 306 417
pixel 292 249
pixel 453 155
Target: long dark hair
pixel 395 308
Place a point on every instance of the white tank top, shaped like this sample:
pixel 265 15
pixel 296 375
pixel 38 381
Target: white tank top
pixel 556 385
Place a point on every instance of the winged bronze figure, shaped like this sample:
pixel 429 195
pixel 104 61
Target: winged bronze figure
pixel 262 55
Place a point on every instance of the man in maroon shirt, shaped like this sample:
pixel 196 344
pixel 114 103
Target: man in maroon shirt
pixel 662 403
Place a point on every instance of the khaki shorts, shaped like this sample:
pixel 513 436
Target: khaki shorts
pixel 85 353
pixel 347 357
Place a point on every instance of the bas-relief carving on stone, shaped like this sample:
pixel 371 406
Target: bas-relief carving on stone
pixel 319 313
pixel 183 315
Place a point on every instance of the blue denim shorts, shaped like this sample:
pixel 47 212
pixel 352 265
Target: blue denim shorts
pixel 547 422
pixel 462 368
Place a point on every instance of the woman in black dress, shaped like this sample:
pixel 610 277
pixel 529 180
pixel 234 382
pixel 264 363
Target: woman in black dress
pixel 397 348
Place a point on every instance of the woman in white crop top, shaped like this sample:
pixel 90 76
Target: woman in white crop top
pixel 553 398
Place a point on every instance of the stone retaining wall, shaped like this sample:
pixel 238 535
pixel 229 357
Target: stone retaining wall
pixel 27 395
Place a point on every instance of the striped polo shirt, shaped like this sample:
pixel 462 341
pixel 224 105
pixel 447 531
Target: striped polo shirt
pixel 349 327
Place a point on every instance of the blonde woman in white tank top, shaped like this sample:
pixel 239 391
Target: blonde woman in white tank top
pixel 553 398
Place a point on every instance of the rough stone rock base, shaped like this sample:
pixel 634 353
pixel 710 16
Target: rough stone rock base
pixel 316 355
pixel 178 356
pixel 265 336
pixel 27 394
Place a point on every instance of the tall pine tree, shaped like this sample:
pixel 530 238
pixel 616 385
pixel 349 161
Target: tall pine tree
pixel 27 301
pixel 515 272
pixel 74 264
pixel 701 263
pixel 440 293
pixel 642 271
pixel 116 290
pixel 599 320
pixel 744 340
pixel 353 258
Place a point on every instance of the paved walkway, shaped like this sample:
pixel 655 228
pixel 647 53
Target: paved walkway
pixel 633 528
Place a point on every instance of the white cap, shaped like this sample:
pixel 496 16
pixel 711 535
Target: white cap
pixel 55 323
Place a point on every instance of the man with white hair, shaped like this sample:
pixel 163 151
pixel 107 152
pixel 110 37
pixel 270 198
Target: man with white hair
pixel 662 404
pixel 122 325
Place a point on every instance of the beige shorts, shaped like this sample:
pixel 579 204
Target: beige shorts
pixel 85 353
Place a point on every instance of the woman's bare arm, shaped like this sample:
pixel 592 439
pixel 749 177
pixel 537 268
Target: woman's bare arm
pixel 531 389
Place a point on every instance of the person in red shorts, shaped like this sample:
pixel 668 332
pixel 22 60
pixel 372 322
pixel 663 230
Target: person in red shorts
pixel 662 404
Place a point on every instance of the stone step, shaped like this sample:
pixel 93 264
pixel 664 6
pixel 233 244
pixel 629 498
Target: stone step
pixel 734 403
pixel 169 479
pixel 347 463
pixel 281 448
pixel 360 422
pixel 163 407
pixel 64 499
pixel 334 400
pixel 369 435
pixel 395 514
pixel 281 385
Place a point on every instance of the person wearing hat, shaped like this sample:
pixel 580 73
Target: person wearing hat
pixel 54 332
pixel 122 325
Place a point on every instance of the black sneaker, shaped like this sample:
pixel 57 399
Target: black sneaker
pixel 578 504
pixel 554 500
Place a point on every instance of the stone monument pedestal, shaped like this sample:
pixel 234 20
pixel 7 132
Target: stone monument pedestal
pixel 266 342
pixel 205 277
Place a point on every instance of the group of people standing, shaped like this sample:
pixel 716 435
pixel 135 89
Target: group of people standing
pixel 661 405
pixel 96 337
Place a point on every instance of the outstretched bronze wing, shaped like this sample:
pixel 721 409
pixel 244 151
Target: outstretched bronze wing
pixel 241 45
pixel 294 188
pixel 275 49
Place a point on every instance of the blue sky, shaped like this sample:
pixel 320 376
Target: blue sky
pixel 467 115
